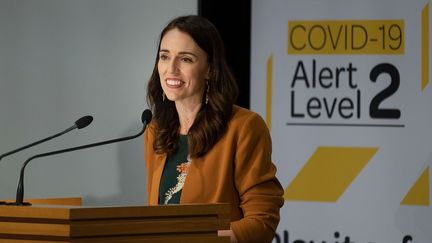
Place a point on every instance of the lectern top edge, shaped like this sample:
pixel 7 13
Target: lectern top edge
pixel 134 211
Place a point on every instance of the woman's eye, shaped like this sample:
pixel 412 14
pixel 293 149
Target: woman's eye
pixel 163 57
pixel 187 59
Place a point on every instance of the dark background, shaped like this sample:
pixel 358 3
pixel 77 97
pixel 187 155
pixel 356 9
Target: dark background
pixel 233 20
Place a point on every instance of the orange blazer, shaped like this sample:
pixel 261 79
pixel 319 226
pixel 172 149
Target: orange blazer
pixel 237 170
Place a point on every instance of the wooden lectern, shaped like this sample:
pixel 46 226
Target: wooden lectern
pixel 43 223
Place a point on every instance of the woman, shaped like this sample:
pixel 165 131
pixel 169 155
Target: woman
pixel 200 147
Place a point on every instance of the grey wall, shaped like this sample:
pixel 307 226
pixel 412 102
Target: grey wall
pixel 62 59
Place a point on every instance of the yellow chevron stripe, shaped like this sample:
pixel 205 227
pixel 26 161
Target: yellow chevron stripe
pixel 419 195
pixel 425 47
pixel 269 78
pixel 328 173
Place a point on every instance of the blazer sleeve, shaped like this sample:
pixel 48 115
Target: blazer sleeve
pixel 255 179
pixel 149 159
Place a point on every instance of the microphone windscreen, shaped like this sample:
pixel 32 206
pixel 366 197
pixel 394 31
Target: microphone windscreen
pixel 83 121
pixel 146 116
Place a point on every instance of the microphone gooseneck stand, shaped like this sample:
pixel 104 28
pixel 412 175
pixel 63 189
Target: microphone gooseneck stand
pixel 146 117
pixel 80 123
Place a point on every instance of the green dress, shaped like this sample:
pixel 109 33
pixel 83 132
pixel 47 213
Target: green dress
pixel 174 174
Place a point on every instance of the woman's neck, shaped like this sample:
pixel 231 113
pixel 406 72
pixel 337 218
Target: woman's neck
pixel 187 115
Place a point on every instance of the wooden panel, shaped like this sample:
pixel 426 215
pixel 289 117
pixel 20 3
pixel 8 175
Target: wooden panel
pixel 70 201
pixel 107 212
pixel 172 223
pixel 113 227
pixel 167 239
pixel 148 211
pixel 67 201
pixel 128 227
pixel 34 229
pixel 35 212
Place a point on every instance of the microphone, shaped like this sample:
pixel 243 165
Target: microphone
pixel 80 123
pixel 145 117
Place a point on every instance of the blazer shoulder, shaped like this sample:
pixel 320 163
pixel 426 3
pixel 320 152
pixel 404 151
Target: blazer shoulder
pixel 245 118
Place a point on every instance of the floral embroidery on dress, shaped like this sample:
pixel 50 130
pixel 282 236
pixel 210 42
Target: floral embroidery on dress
pixel 181 178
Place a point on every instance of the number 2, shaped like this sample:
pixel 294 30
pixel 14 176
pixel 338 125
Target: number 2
pixel 374 110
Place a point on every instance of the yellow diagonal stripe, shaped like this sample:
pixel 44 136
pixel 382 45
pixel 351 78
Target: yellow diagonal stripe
pixel 269 79
pixel 425 47
pixel 419 195
pixel 328 173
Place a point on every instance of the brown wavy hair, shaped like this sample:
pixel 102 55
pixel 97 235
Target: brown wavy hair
pixel 211 121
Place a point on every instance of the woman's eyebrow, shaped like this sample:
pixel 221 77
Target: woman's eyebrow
pixel 182 52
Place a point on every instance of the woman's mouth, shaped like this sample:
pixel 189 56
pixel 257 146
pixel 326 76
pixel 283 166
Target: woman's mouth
pixel 174 83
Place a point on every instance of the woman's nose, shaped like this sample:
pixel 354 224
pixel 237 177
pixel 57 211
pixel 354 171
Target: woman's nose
pixel 173 67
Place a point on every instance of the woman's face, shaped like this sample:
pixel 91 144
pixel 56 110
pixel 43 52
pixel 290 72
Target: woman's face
pixel 182 68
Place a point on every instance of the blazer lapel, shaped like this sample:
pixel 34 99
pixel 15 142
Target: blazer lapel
pixel 192 183
pixel 159 165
